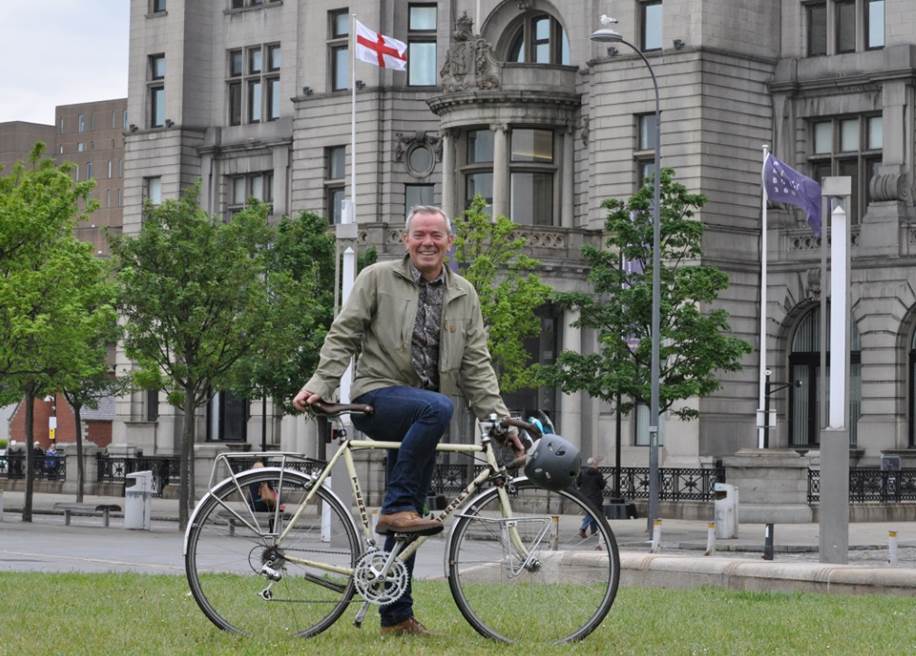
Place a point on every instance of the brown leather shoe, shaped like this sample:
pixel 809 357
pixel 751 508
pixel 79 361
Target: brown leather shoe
pixel 407 521
pixel 410 626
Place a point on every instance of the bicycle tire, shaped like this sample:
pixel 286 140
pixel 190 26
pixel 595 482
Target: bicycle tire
pixel 567 588
pixel 226 545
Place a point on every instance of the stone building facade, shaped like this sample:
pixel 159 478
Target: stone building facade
pixel 251 97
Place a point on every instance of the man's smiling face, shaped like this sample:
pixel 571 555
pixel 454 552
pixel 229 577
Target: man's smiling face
pixel 428 241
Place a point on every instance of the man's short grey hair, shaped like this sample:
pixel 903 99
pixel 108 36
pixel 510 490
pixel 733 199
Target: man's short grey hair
pixel 427 209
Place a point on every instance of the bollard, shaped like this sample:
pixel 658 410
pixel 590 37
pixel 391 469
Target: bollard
pixel 768 542
pixel 656 543
pixel 710 538
pixel 892 548
pixel 556 532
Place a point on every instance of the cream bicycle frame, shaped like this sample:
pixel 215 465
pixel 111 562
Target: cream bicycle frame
pixel 345 451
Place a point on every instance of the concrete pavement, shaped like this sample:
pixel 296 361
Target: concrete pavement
pixel 47 545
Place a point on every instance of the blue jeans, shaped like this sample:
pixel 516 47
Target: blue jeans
pixel 417 419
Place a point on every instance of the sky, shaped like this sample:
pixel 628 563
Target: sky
pixel 59 52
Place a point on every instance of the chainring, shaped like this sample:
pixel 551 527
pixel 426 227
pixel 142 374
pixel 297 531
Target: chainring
pixel 372 586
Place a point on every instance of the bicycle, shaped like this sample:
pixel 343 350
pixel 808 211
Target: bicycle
pixel 297 568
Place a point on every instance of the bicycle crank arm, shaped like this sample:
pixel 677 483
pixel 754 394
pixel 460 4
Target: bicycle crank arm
pixel 361 615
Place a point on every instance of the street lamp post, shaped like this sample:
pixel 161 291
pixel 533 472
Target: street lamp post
pixel 607 35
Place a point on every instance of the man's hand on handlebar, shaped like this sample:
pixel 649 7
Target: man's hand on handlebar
pixel 305 398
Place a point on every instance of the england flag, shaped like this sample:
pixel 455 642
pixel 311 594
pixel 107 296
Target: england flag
pixel 379 50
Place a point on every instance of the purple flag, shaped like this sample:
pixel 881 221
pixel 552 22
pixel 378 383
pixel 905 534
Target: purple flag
pixel 784 184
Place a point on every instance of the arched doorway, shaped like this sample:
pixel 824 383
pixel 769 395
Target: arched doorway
pixel 804 374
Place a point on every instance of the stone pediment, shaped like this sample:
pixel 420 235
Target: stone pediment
pixel 469 63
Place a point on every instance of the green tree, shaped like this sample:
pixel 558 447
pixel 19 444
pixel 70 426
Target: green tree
pixel 300 274
pixel 490 255
pixel 193 298
pixel 694 340
pixel 54 295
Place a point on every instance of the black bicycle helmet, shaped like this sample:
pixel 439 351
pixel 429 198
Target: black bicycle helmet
pixel 553 462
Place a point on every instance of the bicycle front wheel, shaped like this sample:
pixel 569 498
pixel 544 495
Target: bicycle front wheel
pixel 247 580
pixel 527 576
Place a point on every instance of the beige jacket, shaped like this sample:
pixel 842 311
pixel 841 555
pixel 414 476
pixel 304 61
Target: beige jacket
pixel 376 324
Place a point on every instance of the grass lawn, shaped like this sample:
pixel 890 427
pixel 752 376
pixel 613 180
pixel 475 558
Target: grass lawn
pixel 72 614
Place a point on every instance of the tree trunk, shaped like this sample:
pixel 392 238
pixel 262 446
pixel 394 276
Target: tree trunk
pixel 29 453
pixel 80 474
pixel 186 479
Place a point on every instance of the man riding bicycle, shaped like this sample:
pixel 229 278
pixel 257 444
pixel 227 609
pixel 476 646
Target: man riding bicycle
pixel 419 335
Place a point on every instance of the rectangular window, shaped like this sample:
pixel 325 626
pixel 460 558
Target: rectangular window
pixel 274 58
pixel 254 101
pixel 530 145
pixel 80 147
pixel 273 99
pixel 109 169
pixel 235 103
pixel 336 159
pixel 480 146
pixel 152 405
pixel 153 189
pixel 157 67
pixel 479 183
pixel 647 132
pixel 338 49
pixel 417 194
pixel 241 188
pixel 235 63
pixel 848 146
pixel 125 125
pixel 157 107
pixel 255 61
pixel 874 24
pixel 845 14
pixel 108 198
pixel 651 22
pixel 541 40
pixel 114 120
pixel 531 198
pixel 816 15
pixel 421 45
pixel 158 6
pixel 340 65
pixel 89 172
pixel 81 121
pixel 60 125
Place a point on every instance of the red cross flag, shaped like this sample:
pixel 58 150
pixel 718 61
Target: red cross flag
pixel 380 50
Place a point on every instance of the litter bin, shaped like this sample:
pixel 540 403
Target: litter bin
pixel 138 503
pixel 726 510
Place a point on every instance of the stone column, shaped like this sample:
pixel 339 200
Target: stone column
pixel 448 173
pixel 500 169
pixel 566 171
pixel 571 404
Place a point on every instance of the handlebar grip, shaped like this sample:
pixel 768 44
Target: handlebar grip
pixel 518 423
pixel 337 409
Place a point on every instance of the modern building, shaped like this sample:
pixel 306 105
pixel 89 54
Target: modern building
pixel 511 99
pixel 17 138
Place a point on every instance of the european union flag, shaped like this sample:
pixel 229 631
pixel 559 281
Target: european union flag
pixel 784 184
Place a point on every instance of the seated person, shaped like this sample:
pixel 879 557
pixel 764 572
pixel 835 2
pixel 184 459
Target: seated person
pixel 263 495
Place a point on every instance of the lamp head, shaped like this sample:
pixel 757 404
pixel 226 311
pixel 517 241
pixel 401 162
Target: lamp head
pixel 606 34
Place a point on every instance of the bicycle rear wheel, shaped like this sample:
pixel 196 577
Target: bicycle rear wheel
pixel 530 578
pixel 247 582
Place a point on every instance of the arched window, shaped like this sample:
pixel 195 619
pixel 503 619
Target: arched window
pixel 804 374
pixel 538 39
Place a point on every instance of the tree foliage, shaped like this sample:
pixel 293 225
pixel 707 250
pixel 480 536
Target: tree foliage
pixel 300 274
pixel 694 340
pixel 490 255
pixel 194 301
pixel 56 299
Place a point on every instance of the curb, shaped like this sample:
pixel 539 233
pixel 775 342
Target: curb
pixel 658 571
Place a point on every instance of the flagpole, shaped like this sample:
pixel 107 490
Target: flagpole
pixel 352 212
pixel 761 404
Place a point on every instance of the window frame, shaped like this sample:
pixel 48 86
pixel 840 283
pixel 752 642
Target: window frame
pixel 253 92
pixel 266 178
pixel 522 45
pixel 867 24
pixel 479 167
pixel 422 36
pixel 844 9
pixel 155 90
pixel 157 7
pixel 644 25
pixel 334 184
pixel 338 42
pixel 864 157
pixel 533 167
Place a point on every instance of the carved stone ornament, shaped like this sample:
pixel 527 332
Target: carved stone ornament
pixel 583 131
pixel 813 284
pixel 406 140
pixel 889 186
pixel 470 62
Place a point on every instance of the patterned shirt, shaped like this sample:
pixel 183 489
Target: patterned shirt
pixel 424 346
